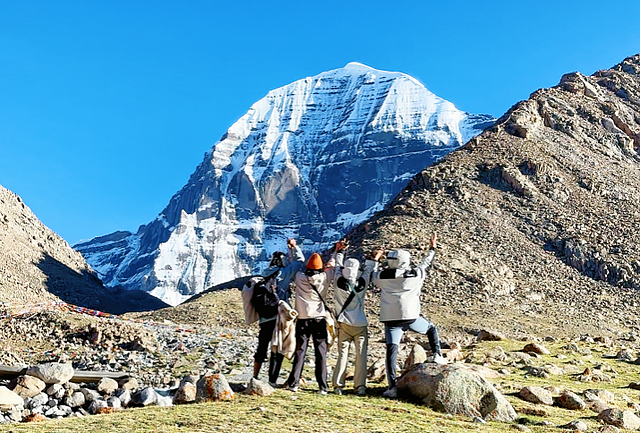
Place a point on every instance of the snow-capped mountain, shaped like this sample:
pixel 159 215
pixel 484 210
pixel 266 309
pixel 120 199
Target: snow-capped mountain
pixel 309 160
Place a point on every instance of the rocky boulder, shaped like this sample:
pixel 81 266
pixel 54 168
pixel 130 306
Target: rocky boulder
pixel 453 389
pixel 52 372
pixel 9 399
pixel 535 394
pixel 185 394
pixel 623 419
pixel 260 388
pixel 28 386
pixel 213 387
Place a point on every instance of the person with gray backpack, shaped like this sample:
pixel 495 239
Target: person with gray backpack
pixel 400 286
pixel 350 285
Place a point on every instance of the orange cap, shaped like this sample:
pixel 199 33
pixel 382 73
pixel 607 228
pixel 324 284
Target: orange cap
pixel 315 262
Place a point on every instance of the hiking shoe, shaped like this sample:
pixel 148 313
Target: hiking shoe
pixel 439 359
pixel 391 393
pixel 361 391
pixel 273 385
pixel 337 391
pixel 322 392
pixel 290 388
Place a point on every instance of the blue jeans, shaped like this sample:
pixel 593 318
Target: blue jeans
pixel 393 336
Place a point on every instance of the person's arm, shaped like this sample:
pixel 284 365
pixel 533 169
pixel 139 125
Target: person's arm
pixel 426 262
pixel 373 264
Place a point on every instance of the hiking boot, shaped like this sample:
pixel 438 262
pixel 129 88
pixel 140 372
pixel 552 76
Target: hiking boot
pixel 361 391
pixel 439 359
pixel 391 393
pixel 288 387
pixel 337 391
pixel 273 385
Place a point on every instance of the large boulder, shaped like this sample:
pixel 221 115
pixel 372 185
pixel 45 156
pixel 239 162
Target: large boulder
pixel 213 387
pixel 455 390
pixel 52 372
pixel 9 399
pixel 107 386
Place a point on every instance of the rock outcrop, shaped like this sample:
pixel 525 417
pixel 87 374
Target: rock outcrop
pixel 453 389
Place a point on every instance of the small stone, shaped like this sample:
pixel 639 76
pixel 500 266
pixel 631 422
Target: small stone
pixel 416 356
pixel 145 397
pixel 75 400
pixel 575 425
pixel 90 394
pixel 185 394
pixel 490 335
pixel 124 395
pixel 571 401
pixel 260 388
pixel 536 394
pixel 497 353
pixel 56 391
pixel 634 385
pixel 129 383
pixel 96 405
pixel 114 402
pixel 107 385
pixel 536 348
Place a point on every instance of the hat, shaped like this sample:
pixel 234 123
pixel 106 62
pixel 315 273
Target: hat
pixel 399 259
pixel 315 262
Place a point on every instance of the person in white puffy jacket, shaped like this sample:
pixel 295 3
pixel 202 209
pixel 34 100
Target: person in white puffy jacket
pixel 400 286
pixel 350 285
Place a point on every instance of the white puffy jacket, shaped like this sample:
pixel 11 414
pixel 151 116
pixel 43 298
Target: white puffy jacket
pixel 349 272
pixel 400 287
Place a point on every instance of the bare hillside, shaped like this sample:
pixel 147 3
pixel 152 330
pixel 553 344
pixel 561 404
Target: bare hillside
pixel 37 265
pixel 538 216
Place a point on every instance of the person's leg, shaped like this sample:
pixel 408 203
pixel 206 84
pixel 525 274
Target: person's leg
pixel 423 326
pixel 361 340
pixel 302 340
pixel 320 346
pixel 264 337
pixel 340 371
pixel 275 364
pixel 393 336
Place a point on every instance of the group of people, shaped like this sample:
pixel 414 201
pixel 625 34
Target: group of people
pixel 399 283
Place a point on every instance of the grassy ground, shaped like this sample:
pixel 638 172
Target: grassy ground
pixel 307 411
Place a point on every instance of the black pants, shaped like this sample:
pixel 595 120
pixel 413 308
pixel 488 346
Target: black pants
pixel 305 329
pixel 264 338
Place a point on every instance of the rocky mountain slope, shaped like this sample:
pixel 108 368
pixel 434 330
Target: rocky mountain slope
pixel 538 216
pixel 36 265
pixel 309 160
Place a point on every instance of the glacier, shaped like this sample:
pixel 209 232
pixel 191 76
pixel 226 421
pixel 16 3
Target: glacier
pixel 309 160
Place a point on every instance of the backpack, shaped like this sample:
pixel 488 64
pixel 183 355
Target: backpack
pixel 250 313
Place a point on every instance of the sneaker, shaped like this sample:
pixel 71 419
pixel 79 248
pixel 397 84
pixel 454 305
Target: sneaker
pixel 337 391
pixel 361 391
pixel 273 385
pixel 290 388
pixel 322 392
pixel 391 393
pixel 439 359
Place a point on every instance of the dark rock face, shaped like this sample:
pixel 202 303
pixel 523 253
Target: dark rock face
pixel 310 160
pixel 537 216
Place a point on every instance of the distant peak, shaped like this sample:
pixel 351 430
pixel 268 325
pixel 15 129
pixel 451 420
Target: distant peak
pixel 358 66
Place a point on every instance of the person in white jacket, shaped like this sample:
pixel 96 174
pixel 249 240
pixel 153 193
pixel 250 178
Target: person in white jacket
pixel 350 285
pixel 400 286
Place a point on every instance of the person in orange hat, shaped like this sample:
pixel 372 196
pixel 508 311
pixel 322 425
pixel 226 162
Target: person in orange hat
pixel 312 286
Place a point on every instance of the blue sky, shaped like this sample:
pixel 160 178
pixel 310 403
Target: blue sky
pixel 106 108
